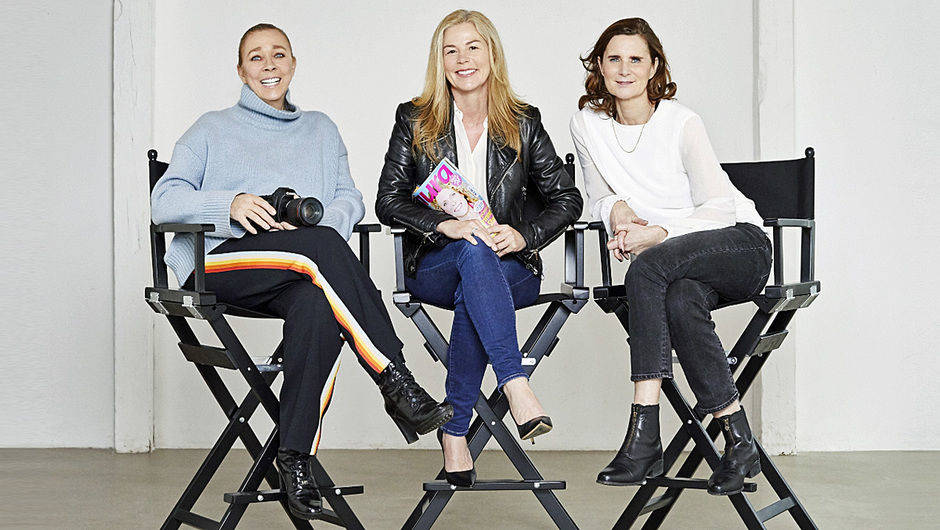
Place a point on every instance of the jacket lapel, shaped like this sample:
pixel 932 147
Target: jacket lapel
pixel 498 161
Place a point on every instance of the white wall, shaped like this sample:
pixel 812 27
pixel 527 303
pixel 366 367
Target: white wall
pixel 866 86
pixel 55 242
pixel 356 62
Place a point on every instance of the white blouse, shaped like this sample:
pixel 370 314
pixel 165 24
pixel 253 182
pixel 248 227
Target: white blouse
pixel 471 162
pixel 672 178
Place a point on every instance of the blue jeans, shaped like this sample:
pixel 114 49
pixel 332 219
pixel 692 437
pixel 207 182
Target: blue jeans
pixel 484 291
pixel 673 287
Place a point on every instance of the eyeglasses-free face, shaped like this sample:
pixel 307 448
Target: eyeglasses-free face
pixel 626 67
pixel 466 58
pixel 267 66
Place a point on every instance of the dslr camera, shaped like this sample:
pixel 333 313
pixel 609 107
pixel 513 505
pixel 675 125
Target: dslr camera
pixel 298 211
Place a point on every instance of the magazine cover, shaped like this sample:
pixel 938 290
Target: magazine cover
pixel 446 190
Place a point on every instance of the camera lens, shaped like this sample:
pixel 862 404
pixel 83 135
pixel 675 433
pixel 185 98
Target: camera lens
pixel 304 212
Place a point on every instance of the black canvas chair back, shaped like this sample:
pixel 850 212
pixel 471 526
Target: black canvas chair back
pixel 178 306
pixel 783 194
pixel 570 298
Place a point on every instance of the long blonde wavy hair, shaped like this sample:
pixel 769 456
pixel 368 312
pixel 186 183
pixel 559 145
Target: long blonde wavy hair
pixel 503 106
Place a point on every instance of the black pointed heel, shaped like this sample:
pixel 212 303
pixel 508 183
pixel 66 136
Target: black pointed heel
pixel 534 427
pixel 461 479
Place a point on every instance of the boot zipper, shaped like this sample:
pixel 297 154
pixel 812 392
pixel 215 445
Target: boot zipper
pixel 632 429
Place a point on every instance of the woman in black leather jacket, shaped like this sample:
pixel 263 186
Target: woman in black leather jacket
pixel 469 115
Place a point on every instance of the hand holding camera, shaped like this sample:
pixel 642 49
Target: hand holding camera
pixel 282 210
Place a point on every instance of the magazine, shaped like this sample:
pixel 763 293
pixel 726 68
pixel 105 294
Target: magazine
pixel 448 191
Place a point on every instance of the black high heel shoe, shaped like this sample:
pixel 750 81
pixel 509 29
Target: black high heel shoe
pixel 463 479
pixel 534 427
pixel 303 497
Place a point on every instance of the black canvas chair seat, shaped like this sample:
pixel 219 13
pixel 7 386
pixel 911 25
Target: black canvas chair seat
pixel 783 193
pixel 491 409
pixel 180 305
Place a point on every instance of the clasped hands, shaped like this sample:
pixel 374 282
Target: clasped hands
pixel 632 234
pixel 503 239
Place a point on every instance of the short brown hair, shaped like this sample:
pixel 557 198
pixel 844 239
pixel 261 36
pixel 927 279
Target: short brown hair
pixel 260 27
pixel 660 86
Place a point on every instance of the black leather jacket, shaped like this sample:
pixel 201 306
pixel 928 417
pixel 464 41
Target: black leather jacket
pixel 532 193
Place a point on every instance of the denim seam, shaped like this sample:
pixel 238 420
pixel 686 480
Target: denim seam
pixel 653 375
pixel 509 378
pixel 454 433
pixel 722 406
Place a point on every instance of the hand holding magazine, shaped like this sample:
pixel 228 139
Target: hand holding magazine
pixel 448 191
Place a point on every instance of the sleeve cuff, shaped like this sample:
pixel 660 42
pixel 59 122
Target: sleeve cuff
pixel 216 208
pixel 604 207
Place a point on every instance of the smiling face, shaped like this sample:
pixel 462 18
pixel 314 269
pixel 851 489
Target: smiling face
pixel 267 65
pixel 626 67
pixel 452 202
pixel 466 58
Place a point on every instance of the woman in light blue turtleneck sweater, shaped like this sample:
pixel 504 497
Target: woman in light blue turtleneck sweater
pixel 308 276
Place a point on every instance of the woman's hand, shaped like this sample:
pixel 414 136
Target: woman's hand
pixel 469 230
pixel 507 239
pixel 622 216
pixel 635 239
pixel 247 208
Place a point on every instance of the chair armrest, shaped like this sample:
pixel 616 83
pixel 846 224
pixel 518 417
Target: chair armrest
pixel 604 252
pixel 574 254
pixel 802 223
pixel 183 228
pixel 158 249
pixel 364 229
pixel 367 227
pixel 398 232
pixel 807 247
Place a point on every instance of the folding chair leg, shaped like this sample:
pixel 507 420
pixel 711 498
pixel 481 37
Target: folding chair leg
pixel 490 414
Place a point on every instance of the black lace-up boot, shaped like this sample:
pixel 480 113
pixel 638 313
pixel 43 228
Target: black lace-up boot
pixel 303 499
pixel 641 454
pixel 741 458
pixel 411 408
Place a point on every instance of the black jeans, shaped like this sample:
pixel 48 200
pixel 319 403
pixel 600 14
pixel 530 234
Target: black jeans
pixel 672 289
pixel 310 278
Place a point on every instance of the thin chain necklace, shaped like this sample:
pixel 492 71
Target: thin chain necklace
pixel 616 137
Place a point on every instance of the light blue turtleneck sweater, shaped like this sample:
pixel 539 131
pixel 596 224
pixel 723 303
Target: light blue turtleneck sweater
pixel 252 148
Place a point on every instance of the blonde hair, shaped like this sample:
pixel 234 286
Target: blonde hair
pixel 503 106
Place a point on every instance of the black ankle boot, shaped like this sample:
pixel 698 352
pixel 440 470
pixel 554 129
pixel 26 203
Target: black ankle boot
pixel 303 499
pixel 411 408
pixel 641 454
pixel 740 459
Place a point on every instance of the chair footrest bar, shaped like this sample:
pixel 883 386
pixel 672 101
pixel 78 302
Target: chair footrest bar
pixel 248 497
pixel 769 342
pixel 691 483
pixel 195 520
pixel 656 503
pixel 772 510
pixel 499 485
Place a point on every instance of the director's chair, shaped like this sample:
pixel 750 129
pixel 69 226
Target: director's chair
pixel 491 410
pixel 178 305
pixel 783 192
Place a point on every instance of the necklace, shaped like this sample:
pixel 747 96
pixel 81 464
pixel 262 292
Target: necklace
pixel 616 137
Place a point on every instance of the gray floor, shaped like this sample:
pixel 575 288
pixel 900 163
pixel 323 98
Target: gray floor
pixel 84 488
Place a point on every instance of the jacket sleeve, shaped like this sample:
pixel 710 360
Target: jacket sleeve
pixel 393 202
pixel 547 173
pixel 346 209
pixel 178 196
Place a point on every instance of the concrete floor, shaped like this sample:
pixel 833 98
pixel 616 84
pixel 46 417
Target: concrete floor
pixel 85 488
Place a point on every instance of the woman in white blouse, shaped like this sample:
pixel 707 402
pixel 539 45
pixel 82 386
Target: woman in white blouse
pixel 653 179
